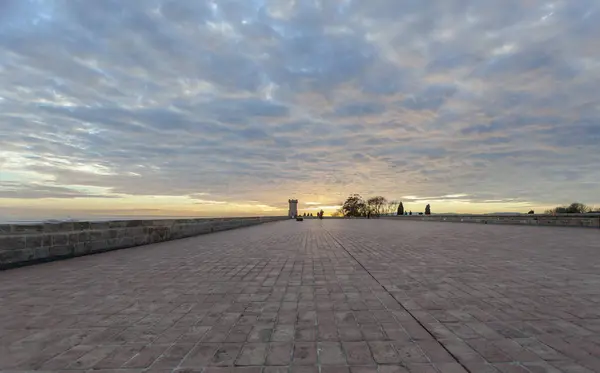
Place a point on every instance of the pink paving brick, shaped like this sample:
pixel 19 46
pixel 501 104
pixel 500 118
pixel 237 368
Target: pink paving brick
pixel 334 296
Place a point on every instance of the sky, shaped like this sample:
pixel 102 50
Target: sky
pixel 225 108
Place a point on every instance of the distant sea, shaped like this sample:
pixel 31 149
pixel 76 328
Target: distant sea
pixel 9 220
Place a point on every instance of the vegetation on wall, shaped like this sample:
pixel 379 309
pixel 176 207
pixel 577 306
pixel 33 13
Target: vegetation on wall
pixel 356 206
pixel 573 208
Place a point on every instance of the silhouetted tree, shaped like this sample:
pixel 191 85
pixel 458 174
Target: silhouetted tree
pixel 354 206
pixel 427 210
pixel 375 205
pixel 400 209
pixel 531 212
pixel 573 208
pixel 391 207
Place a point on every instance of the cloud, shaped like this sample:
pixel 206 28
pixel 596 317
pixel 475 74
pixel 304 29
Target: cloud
pixel 235 101
pixel 32 191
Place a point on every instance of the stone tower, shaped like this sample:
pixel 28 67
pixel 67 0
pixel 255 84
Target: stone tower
pixel 293 211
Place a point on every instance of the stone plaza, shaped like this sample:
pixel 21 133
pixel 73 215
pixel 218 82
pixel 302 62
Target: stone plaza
pixel 328 296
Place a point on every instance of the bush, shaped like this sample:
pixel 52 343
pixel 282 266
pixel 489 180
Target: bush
pixel 573 208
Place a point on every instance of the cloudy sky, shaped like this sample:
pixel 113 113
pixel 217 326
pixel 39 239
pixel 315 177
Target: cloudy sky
pixel 193 107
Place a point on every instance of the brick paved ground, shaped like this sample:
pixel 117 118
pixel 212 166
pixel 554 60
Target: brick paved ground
pixel 339 296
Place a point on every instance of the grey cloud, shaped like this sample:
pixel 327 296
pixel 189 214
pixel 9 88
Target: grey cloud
pixel 582 133
pixel 431 98
pixel 243 98
pixel 17 190
pixel 358 109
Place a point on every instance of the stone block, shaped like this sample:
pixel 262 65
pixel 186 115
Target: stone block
pixel 157 223
pixel 124 232
pixel 137 231
pixel 120 243
pixel 99 226
pixel 73 238
pixel 26 255
pixel 127 242
pixel 60 239
pixel 199 228
pixel 27 228
pixel 57 227
pixel 46 240
pixel 133 223
pixel 41 253
pixel 81 226
pixel 7 257
pixel 83 236
pixel 16 256
pixel 33 241
pixel 117 224
pixel 5 228
pixel 177 234
pixel 61 251
pixel 141 240
pixel 95 235
pixel 112 243
pixel 12 243
pixel 98 245
pixel 82 248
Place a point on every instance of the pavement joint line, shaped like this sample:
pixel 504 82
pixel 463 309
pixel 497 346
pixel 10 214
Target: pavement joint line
pixel 397 301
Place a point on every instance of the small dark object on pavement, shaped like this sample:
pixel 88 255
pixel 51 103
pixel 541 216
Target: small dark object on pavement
pixel 299 218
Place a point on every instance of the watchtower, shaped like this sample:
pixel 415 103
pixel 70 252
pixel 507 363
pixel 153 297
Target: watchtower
pixel 293 211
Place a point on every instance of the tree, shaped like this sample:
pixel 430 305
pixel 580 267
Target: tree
pixel 578 208
pixel 391 207
pixel 354 206
pixel 531 212
pixel 376 205
pixel 573 208
pixel 400 209
pixel 427 210
pixel 338 213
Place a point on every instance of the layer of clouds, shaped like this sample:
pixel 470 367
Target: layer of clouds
pixel 262 100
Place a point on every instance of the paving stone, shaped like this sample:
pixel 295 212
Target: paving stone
pixel 305 353
pixel 384 353
pixel 280 353
pixel 335 296
pixel 200 355
pixel 358 353
pixel 331 353
pixel 226 354
pixel 334 369
pixel 392 369
pixel 252 354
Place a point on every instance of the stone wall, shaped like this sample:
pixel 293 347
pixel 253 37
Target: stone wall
pixel 565 220
pixel 22 244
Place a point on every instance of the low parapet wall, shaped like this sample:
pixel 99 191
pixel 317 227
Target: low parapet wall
pixel 565 220
pixel 22 244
